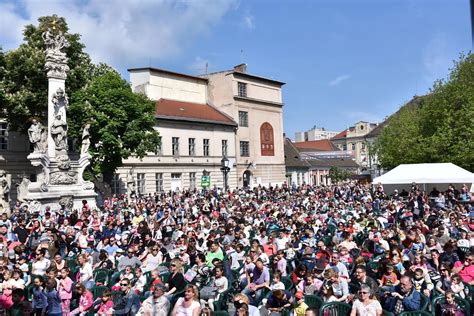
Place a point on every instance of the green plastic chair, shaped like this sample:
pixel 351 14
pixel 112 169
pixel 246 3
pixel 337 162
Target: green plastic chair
pixel 117 297
pixel 424 302
pixel 469 290
pixel 97 291
pixel 415 313
pixel 335 309
pixel 332 228
pixel 288 282
pixel 101 276
pixel 221 303
pixel 313 301
pixel 71 262
pixel 220 313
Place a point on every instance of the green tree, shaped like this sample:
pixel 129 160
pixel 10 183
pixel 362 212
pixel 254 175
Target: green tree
pixel 336 174
pixel 122 122
pixel 23 77
pixel 447 119
pixel 401 141
pixel 438 127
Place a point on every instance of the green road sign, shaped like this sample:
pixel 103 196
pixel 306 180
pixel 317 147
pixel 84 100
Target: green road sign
pixel 206 181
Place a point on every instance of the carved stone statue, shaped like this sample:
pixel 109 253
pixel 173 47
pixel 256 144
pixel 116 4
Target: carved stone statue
pixel 86 139
pixel 22 189
pixel 130 183
pixel 59 133
pixel 59 100
pixel 56 59
pixel 37 135
pixel 4 189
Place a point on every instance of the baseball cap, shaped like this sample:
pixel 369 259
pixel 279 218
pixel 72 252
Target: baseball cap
pixel 299 295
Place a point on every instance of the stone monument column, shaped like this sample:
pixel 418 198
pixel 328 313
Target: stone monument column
pixel 57 68
pixel 59 180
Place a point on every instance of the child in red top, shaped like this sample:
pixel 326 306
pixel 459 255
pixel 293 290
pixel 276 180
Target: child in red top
pixel 389 278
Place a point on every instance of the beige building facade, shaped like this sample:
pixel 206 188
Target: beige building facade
pixel 256 104
pixel 194 136
pixel 353 139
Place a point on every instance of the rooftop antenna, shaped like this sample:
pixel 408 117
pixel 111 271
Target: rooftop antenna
pixel 242 55
pixel 207 66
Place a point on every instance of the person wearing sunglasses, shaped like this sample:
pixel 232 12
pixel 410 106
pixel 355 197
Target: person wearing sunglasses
pixel 465 268
pixel 152 259
pixel 129 303
pixel 366 304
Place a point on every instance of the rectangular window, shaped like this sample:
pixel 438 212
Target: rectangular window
pixel 243 118
pixel 116 184
pixel 159 147
pixel 141 183
pixel 175 146
pixel 192 146
pixel 224 147
pixel 354 146
pixel 158 182
pixel 192 180
pixel 363 146
pixel 244 149
pixel 205 147
pixel 242 89
pixel 3 136
pixel 344 147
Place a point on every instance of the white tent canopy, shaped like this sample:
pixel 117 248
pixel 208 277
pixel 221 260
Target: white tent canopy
pixel 429 174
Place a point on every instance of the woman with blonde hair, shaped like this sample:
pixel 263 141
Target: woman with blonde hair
pixel 176 281
pixel 339 285
pixel 189 304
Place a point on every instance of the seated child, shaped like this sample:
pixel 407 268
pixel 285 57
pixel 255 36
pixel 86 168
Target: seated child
pixel 451 308
pixel 106 305
pixel 390 278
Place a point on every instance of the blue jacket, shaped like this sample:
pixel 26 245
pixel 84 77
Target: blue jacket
pixel 128 304
pixel 54 302
pixel 411 302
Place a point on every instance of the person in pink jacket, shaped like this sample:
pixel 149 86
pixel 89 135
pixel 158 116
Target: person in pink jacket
pixel 106 305
pixel 85 301
pixel 65 291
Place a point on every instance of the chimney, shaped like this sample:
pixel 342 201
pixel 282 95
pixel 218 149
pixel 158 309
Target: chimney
pixel 241 68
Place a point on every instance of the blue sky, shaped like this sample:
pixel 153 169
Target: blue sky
pixel 342 60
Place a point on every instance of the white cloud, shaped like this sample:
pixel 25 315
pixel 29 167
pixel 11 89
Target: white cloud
pixel 336 81
pixel 122 32
pixel 436 59
pixel 248 21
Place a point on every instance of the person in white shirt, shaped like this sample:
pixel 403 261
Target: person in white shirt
pixel 338 266
pixel 282 241
pixel 41 264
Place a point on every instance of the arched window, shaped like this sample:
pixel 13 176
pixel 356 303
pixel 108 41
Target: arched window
pixel 266 140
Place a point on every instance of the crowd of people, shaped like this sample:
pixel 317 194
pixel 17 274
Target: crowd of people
pixel 262 251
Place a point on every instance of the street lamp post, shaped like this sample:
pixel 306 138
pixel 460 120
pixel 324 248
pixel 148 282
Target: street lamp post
pixel 225 170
